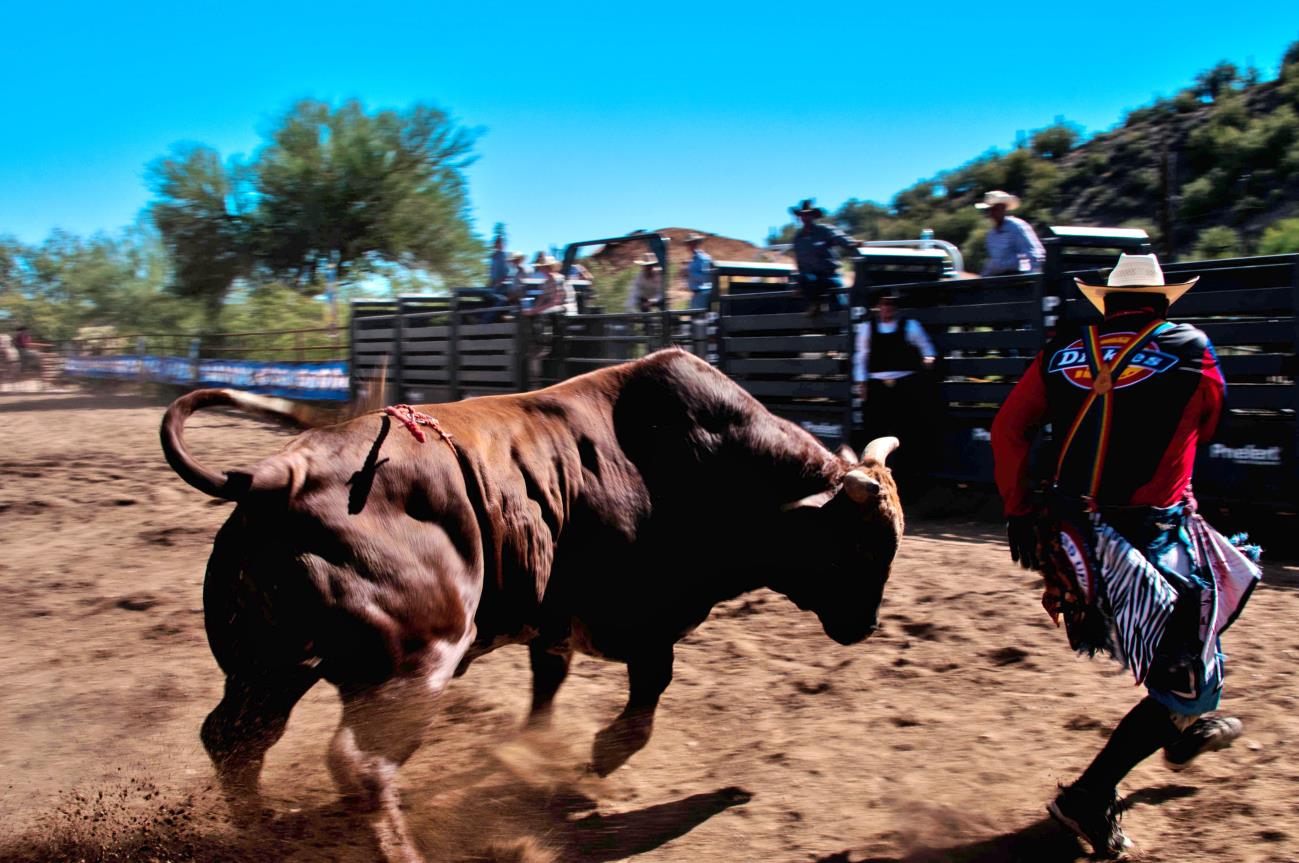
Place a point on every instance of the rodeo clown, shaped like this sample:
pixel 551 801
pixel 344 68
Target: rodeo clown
pixel 1127 562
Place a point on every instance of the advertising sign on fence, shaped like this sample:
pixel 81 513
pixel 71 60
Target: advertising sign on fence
pixel 307 381
pixel 103 367
pixel 328 380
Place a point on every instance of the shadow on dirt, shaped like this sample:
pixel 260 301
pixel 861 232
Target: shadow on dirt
pixel 489 823
pixel 1043 841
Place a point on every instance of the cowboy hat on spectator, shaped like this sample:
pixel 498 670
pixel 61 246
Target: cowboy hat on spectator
pixel 807 207
pixel 995 197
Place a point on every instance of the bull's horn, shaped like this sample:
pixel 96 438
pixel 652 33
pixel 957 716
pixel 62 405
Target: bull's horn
pixel 880 449
pixel 233 485
pixel 859 486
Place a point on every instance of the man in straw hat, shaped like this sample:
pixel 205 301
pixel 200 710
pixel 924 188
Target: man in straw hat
pixel 1012 245
pixel 557 297
pixel 1127 562
pixel 816 254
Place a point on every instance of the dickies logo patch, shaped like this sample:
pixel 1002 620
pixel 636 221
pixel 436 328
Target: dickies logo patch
pixel 1149 361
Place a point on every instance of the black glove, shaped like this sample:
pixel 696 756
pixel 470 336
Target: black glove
pixel 1021 532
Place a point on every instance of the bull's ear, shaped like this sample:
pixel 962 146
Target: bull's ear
pixel 812 501
pixel 846 453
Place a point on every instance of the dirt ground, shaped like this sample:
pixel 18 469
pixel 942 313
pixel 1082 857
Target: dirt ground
pixel 939 739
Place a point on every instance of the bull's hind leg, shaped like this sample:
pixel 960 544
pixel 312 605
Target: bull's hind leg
pixel 648 674
pixel 381 728
pixel 548 672
pixel 249 720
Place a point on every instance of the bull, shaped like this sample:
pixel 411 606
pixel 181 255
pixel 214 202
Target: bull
pixel 605 515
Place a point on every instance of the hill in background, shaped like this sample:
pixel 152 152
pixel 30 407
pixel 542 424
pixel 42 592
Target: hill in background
pixel 1211 172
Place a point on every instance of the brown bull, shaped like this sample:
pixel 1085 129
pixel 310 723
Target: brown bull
pixel 606 515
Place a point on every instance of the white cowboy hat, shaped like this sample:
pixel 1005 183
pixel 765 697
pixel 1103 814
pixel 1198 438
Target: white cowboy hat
pixel 647 260
pixel 517 256
pixel 993 198
pixel 544 260
pixel 1135 273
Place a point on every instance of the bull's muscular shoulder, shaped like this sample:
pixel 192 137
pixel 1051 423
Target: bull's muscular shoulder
pixel 673 413
pixel 673 392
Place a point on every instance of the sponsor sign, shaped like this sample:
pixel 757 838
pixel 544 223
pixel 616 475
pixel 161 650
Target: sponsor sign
pixel 291 380
pixel 309 381
pixel 1247 454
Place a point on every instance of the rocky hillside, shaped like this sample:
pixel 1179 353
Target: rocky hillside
pixel 1210 172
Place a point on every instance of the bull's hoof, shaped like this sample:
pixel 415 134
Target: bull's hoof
pixel 249 813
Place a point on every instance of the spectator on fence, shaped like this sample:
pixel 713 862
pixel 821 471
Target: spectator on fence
pixel 578 272
pixel 699 273
pixel 816 252
pixel 892 354
pixel 498 268
pixel 647 288
pixel 1012 245
pixel 28 359
pixel 516 286
pixel 8 355
pixel 556 297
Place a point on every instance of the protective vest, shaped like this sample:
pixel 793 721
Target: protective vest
pixel 891 352
pixel 1141 424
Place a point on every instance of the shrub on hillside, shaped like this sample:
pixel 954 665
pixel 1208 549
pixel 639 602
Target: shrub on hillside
pixel 1217 242
pixel 1281 237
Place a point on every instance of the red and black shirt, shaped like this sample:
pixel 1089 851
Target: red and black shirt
pixel 1135 445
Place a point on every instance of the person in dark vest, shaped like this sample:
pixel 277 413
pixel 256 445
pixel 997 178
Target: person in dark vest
pixel 1128 563
pixel 891 352
pixel 816 252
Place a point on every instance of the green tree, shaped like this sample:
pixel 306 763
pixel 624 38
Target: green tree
pixel 1281 237
pixel 200 211
pixel 345 189
pixel 1212 83
pixel 864 220
pixel 1055 140
pixel 68 282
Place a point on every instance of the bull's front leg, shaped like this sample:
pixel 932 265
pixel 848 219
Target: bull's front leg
pixel 648 674
pixel 549 669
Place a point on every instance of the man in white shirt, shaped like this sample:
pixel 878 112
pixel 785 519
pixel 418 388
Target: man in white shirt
pixel 891 349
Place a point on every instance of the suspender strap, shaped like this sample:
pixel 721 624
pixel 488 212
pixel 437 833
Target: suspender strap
pixel 1104 376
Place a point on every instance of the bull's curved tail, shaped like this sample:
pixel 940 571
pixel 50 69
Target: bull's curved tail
pixel 228 486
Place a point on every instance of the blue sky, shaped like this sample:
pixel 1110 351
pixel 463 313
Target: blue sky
pixel 595 120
